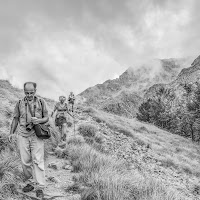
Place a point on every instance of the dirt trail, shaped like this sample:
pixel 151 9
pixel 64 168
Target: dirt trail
pixel 57 180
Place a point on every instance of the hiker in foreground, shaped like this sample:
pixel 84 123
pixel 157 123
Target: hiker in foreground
pixel 29 112
pixel 61 119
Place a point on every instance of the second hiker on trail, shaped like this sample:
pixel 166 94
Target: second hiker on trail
pixel 61 119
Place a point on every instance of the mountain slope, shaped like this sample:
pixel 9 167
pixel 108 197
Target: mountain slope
pixel 113 95
pixel 166 157
pixel 187 76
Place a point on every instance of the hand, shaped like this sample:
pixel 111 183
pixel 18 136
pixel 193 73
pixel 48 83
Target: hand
pixel 35 120
pixel 10 137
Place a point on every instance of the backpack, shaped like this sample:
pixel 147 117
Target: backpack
pixel 71 99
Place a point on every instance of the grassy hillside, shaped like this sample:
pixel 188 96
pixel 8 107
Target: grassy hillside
pixel 148 152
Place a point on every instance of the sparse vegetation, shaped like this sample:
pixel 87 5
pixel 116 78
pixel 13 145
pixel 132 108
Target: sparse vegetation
pixel 103 177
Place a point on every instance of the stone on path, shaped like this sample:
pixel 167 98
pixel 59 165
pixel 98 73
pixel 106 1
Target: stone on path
pixel 52 166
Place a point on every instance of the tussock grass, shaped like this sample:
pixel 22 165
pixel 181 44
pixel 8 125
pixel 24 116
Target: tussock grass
pixel 168 162
pixel 88 110
pixel 104 177
pixel 91 136
pixel 87 130
pixel 9 174
pixel 77 140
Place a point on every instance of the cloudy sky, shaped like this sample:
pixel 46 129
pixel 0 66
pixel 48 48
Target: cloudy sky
pixel 70 45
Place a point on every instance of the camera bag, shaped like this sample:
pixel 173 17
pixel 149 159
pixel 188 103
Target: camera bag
pixel 42 131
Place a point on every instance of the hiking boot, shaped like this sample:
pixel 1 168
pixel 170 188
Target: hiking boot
pixel 39 194
pixel 28 188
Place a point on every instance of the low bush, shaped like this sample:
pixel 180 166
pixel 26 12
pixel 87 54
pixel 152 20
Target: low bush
pixel 89 110
pixel 168 162
pixel 87 130
pixel 77 140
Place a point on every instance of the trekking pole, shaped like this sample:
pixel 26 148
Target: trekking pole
pixel 74 127
pixel 74 118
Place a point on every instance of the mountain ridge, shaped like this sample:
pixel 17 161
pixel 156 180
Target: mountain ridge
pixel 134 83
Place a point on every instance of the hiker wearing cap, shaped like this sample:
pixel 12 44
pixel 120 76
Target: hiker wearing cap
pixel 31 147
pixel 60 120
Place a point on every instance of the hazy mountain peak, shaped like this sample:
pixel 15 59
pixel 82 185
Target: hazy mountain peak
pixel 136 80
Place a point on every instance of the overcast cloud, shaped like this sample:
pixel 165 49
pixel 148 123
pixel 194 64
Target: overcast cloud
pixel 69 45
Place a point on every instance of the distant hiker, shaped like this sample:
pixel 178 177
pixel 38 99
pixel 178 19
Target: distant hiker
pixel 60 119
pixel 71 100
pixel 31 147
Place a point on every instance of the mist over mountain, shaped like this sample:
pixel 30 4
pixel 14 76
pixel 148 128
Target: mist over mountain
pixel 123 95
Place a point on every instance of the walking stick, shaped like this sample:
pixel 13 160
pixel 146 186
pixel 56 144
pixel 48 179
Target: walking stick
pixel 74 127
pixel 74 118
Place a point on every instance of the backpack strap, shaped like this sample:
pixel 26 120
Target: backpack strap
pixel 42 107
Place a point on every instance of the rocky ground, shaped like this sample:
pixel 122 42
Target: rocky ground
pixel 59 178
pixel 140 156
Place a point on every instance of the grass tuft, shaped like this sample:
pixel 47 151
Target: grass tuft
pixel 87 130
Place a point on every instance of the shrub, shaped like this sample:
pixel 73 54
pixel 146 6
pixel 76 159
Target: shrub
pixel 87 130
pixel 98 139
pixel 77 140
pixel 89 140
pixel 89 110
pixel 168 162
